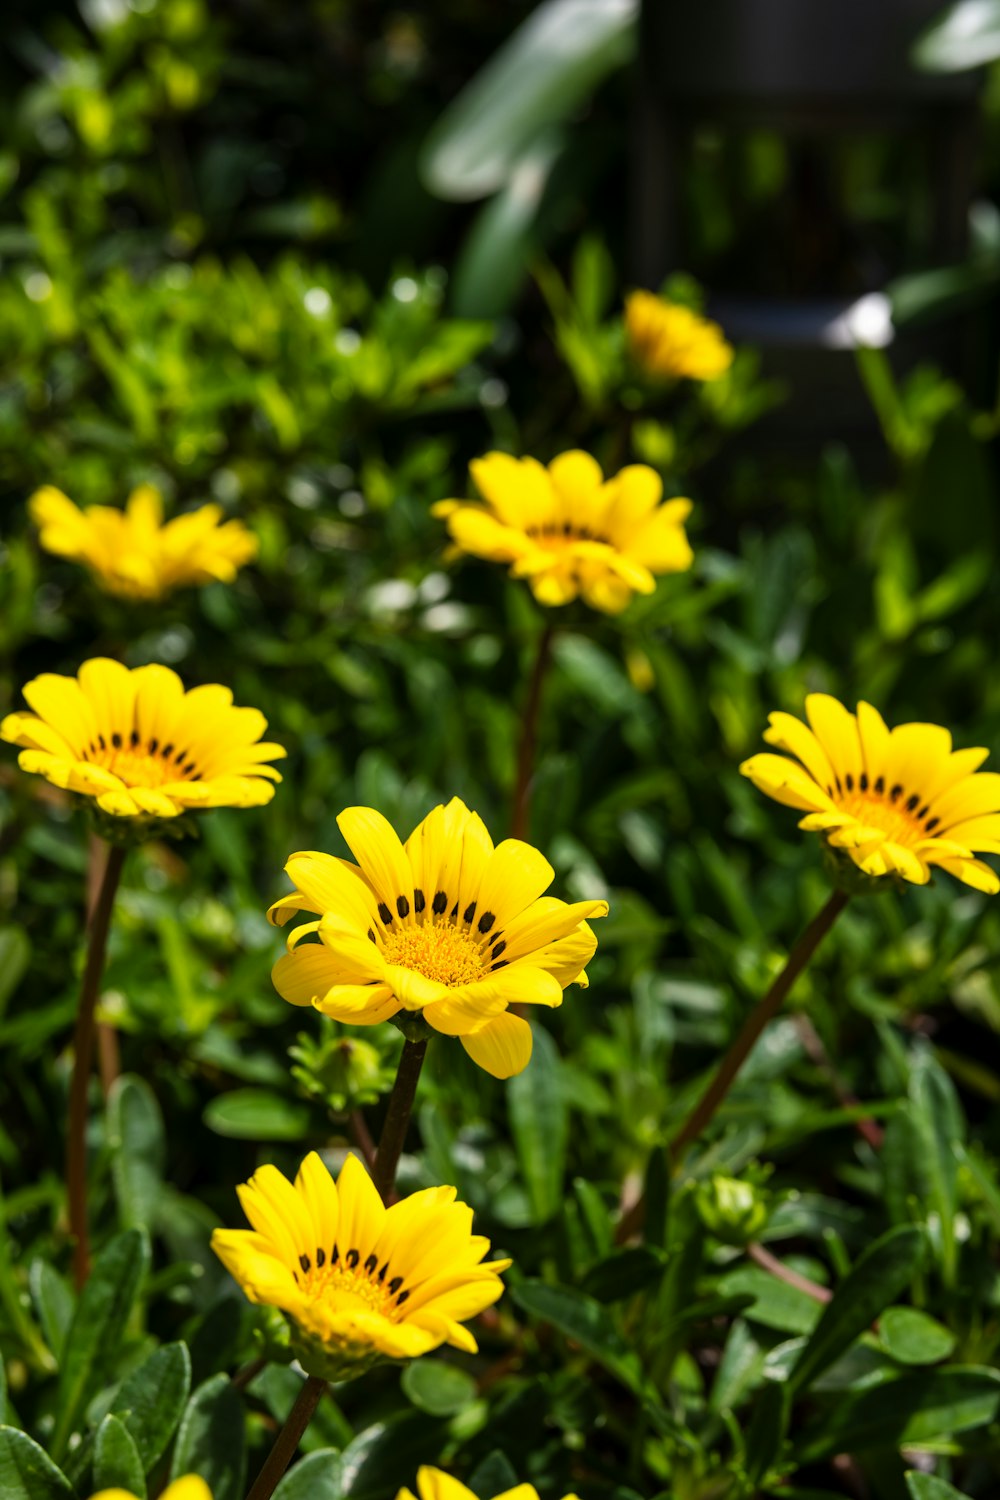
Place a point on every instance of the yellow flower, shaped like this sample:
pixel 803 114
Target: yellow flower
pixel 188 1488
pixel 447 926
pixel 139 744
pixel 569 531
pixel 360 1282
pixel 132 553
pixel 670 341
pixel 433 1484
pixel 896 800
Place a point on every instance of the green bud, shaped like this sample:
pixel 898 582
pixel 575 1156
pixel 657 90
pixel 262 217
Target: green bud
pixel 733 1210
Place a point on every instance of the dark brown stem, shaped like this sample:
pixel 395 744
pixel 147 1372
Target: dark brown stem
pixel 247 1373
pixel 777 1268
pixel 868 1129
pixel 362 1137
pixel 763 1012
pixel 287 1441
pixel 397 1118
pixel 108 1055
pixel 83 1055
pixel 521 809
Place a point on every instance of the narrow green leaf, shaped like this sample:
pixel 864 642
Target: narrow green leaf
pixel 54 1302
pixel 926 1487
pixel 26 1472
pixel 939 1125
pixel 117 1464
pixel 387 1455
pixel 913 1411
pixel 437 1387
pixel 913 1337
pixel 878 1276
pixel 94 1337
pixel 494 1476
pixel 583 1320
pixel 624 1273
pixel 766 1432
pixel 319 1476
pixel 151 1400
pixel 138 1150
pixel 15 951
pixel 539 1122
pixel 211 1441
pixel 257 1115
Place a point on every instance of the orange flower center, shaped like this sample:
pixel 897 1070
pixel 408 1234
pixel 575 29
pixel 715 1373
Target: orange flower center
pixel 441 953
pixel 137 763
pixel 350 1284
pixel 901 815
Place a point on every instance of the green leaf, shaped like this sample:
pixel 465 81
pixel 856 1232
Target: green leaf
pixel 387 1455
pixel 26 1472
pixel 913 1337
pixel 966 36
pixel 437 1387
pixel 624 1272
pixel 539 1122
pixel 583 1320
pixel 926 1487
pixel 257 1115
pixel 494 1476
pixel 539 77
pixel 319 1476
pixel 54 1302
pixel 937 1119
pixel 117 1464
pixel 151 1400
pixel 776 1305
pixel 211 1440
pixel 766 1432
pixel 15 951
pixel 138 1149
pixel 878 1276
pixel 95 1334
pixel 913 1411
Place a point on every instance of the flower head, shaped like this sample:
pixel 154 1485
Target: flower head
pixel 896 800
pixel 188 1488
pixel 132 553
pixel 445 925
pixel 671 341
pixel 434 1484
pixel 569 531
pixel 137 743
pixel 360 1282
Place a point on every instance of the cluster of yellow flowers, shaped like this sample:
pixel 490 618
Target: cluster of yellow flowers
pixel 446 928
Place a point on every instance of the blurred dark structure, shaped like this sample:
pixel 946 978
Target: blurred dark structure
pixel 802 279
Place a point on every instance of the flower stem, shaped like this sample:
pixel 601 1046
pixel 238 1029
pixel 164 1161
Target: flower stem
pixel 764 1011
pixel 83 1053
pixel 397 1118
pixel 108 1055
pixel 521 809
pixel 287 1441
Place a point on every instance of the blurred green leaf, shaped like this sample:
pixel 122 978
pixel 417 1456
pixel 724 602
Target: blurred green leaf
pixel 539 1122
pixel 913 1337
pixel 315 1477
pixel 257 1115
pixel 117 1464
pixel 438 1388
pixel 151 1399
pixel 138 1149
pixel 211 1440
pixel 26 1472
pixel 912 1411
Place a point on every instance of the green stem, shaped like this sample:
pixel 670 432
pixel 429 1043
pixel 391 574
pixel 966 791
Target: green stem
pixel 529 734
pixel 763 1012
pixel 287 1442
pixel 83 1055
pixel 397 1118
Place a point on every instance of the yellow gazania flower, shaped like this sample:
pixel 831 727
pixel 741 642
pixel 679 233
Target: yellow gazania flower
pixel 670 341
pixel 447 926
pixel 434 1484
pixel 137 743
pixel 360 1282
pixel 896 800
pixel 188 1488
pixel 132 553
pixel 569 531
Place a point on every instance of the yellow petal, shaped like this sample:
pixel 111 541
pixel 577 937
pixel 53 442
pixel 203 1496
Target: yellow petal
pixel 502 1047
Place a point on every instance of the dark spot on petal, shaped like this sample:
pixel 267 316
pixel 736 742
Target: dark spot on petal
pixel 320 1256
pixel 102 742
pixel 371 1263
pixel 381 1274
pixel 403 905
pixel 371 934
pixel 418 901
pixel 305 1262
pixel 334 1256
pixel 863 781
pixel 499 948
pixel 933 824
pixel 180 755
pixel 401 1298
pixel 134 738
pixel 394 1285
pixel 154 745
pixel 167 750
pixel 896 793
pixel 351 1259
pixel 384 912
pixel 912 803
pixel 486 921
pixel 116 740
pixel 849 782
pixel 440 903
pixel 501 965
pixel 454 910
pixel 880 785
pixel 469 912
pixel 923 811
